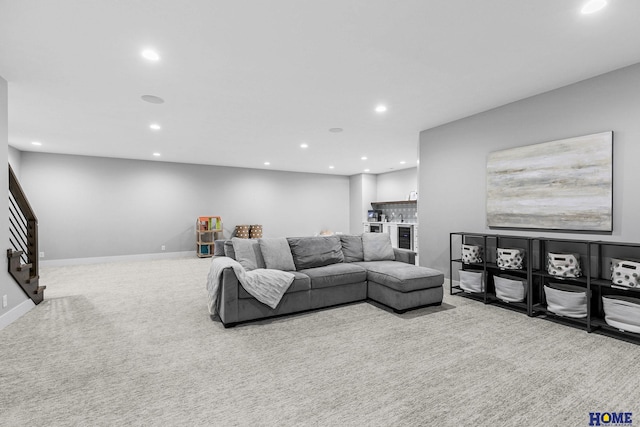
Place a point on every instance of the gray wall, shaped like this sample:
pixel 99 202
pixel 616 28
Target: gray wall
pixel 394 186
pixel 8 287
pixel 98 207
pixel 453 157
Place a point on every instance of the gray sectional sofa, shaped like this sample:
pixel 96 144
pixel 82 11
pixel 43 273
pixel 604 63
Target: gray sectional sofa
pixel 328 270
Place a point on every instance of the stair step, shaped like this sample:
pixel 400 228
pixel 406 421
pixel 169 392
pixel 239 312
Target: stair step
pixel 33 279
pixel 25 267
pixel 40 289
pixel 14 254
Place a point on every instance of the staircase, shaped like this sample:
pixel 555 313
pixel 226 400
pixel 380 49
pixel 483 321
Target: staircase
pixel 23 238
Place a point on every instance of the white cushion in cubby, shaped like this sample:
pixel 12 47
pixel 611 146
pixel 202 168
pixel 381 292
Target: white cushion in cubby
pixel 622 312
pixel 566 300
pixel 510 288
pixel 471 281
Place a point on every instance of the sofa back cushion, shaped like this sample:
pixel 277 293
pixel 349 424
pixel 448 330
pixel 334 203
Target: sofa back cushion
pixel 377 247
pixel 248 253
pixel 228 249
pixel 309 252
pixel 277 254
pixel 352 248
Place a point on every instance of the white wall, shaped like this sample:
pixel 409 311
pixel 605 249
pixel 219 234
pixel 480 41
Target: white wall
pixel 15 160
pixel 17 301
pixel 99 207
pixel 453 157
pixel 395 186
pixel 362 191
pixel 357 210
pixel 386 187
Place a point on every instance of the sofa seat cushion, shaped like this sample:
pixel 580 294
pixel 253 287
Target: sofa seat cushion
pixel 301 282
pixel 335 275
pixel 401 276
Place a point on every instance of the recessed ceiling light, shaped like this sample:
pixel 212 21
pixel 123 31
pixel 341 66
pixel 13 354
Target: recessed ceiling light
pixel 593 6
pixel 304 145
pixel 151 55
pixel 154 126
pixel 331 167
pixel 366 170
pixel 267 163
pixel 402 162
pixel 363 157
pixel 36 143
pixel 156 154
pixel 381 108
pixel 152 99
pixel 336 130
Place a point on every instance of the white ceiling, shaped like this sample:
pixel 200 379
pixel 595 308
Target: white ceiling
pixel 248 81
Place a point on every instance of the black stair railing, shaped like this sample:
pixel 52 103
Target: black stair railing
pixel 23 239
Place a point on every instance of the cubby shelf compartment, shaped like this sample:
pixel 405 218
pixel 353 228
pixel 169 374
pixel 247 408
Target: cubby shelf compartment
pixel 582 248
pixel 602 286
pixel 595 261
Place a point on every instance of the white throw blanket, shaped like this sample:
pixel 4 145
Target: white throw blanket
pixel 265 285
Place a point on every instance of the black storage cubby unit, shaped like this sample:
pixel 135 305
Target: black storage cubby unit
pixel 595 262
pixel 602 286
pixel 489 266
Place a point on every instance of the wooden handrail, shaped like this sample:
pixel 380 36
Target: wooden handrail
pixel 32 221
pixel 18 195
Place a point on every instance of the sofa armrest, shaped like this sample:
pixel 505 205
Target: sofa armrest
pixel 405 255
pixel 228 297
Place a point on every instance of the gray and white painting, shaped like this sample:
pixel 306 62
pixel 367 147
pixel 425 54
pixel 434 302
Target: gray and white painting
pixel 558 185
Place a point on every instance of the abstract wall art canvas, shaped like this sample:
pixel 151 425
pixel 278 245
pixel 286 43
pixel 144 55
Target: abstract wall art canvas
pixel 558 185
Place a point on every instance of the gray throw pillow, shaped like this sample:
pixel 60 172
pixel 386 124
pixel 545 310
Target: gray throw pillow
pixel 248 253
pixel 277 254
pixel 352 248
pixel 377 247
pixel 218 248
pixel 310 252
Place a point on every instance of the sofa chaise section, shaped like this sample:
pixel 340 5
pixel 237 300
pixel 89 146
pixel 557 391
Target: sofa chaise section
pixel 402 286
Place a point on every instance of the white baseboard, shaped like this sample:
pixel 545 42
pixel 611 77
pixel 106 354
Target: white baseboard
pixel 15 313
pixel 119 258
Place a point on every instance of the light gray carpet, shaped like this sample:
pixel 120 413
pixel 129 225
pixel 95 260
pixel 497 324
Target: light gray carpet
pixel 133 344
